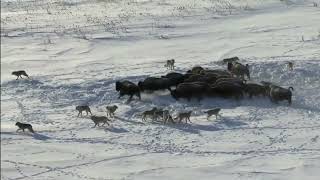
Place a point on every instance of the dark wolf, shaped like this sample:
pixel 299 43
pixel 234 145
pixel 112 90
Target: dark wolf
pixel 23 126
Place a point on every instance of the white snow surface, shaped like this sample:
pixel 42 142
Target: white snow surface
pixel 75 51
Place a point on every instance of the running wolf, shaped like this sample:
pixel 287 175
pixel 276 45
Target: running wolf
pixel 23 126
pixel 111 110
pixel 213 112
pixel 19 74
pixel 184 115
pixel 99 119
pixel 83 108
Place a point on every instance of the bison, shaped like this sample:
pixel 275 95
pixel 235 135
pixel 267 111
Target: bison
pixel 226 90
pixel 230 60
pixel 201 78
pixel 253 89
pixel 196 70
pixel 175 78
pixel 231 80
pixel 155 83
pixel 216 72
pixel 127 88
pixel 278 93
pixel 190 90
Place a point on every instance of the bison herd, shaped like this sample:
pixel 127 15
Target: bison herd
pixel 198 82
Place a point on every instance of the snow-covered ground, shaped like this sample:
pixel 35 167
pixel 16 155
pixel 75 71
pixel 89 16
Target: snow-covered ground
pixel 75 50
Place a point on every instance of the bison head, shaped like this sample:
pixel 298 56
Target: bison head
pixel 174 94
pixel 118 85
pixel 140 85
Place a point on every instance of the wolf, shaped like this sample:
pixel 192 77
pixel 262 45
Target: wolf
pixel 239 70
pixel 111 110
pixel 290 66
pixel 83 108
pixel 170 64
pixel 23 126
pixel 213 112
pixel 184 115
pixel 149 113
pixel 158 114
pixel 167 117
pixel 19 74
pixel 100 119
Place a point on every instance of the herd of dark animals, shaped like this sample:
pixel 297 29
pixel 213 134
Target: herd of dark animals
pixel 195 83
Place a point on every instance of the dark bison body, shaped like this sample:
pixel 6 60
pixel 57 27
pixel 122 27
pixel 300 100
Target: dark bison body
pixel 253 89
pixel 216 72
pixel 230 60
pixel 266 84
pixel 155 83
pixel 277 94
pixel 188 74
pixel 238 81
pixel 127 88
pixel 201 78
pixel 226 90
pixel 195 70
pixel 175 78
pixel 190 90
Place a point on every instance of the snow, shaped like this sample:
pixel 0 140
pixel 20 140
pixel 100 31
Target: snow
pixel 75 51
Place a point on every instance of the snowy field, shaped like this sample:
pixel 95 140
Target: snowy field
pixel 75 51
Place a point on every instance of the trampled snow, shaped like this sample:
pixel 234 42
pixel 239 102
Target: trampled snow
pixel 75 51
